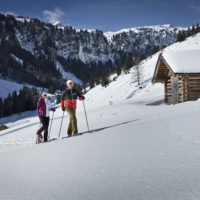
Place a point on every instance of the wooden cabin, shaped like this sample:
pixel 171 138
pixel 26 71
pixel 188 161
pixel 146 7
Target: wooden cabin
pixel 180 73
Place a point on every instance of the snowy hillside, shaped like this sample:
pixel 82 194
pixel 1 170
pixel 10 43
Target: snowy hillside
pixel 134 151
pixel 125 86
pixel 138 147
pixel 67 75
pixel 8 87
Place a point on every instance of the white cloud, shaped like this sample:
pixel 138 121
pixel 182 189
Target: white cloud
pixel 53 16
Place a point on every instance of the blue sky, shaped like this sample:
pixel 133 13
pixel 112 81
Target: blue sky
pixel 108 15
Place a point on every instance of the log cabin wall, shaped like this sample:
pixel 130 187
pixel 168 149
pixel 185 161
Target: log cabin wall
pixel 181 88
pixel 193 87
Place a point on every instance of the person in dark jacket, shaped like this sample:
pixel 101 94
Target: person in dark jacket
pixel 43 109
pixel 68 104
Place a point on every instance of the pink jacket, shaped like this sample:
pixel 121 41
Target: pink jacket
pixel 41 107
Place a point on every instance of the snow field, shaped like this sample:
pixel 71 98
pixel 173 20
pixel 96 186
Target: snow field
pixel 137 152
pixel 138 148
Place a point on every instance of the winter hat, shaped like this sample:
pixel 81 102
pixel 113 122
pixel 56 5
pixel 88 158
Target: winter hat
pixel 44 94
pixel 69 82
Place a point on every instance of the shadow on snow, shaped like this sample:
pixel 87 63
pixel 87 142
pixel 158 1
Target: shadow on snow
pixel 107 127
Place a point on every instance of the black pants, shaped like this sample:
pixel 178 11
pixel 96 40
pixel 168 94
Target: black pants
pixel 45 125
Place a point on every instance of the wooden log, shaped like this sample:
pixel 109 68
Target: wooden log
pixel 194 86
pixel 194 77
pixel 194 96
pixel 194 82
pixel 194 93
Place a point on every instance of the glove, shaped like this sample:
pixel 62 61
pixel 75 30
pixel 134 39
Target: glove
pixel 53 109
pixel 81 98
pixel 63 109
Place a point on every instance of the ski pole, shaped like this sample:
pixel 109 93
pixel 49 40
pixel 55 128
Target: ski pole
pixel 51 124
pixel 86 117
pixel 61 124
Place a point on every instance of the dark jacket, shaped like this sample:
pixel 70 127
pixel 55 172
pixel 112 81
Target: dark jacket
pixel 69 98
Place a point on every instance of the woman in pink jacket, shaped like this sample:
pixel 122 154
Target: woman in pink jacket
pixel 43 108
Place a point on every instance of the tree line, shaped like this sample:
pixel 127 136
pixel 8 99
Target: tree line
pixel 25 100
pixel 182 35
pixel 104 78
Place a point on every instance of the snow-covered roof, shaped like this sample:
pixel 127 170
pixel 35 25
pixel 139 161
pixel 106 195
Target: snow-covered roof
pixel 183 61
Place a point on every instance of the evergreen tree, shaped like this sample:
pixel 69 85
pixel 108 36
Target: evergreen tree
pixel 51 89
pixel 92 83
pixel 1 107
pixel 15 102
pixel 129 63
pixel 189 32
pixel 118 70
pixel 197 28
pixel 193 30
pixel 137 72
pixel 97 81
pixel 20 102
pixel 10 105
pixel 142 57
pixel 7 106
pixel 181 36
pixel 35 97
pixel 104 79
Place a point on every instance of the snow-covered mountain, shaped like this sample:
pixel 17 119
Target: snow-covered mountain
pixel 138 147
pixel 85 53
pixel 160 35
pixel 96 46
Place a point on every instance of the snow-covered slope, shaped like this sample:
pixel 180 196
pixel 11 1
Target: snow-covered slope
pixel 125 86
pixel 8 87
pixel 134 151
pixel 67 75
pixel 137 148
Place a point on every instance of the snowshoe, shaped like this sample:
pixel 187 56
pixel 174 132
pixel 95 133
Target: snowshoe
pixel 39 138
